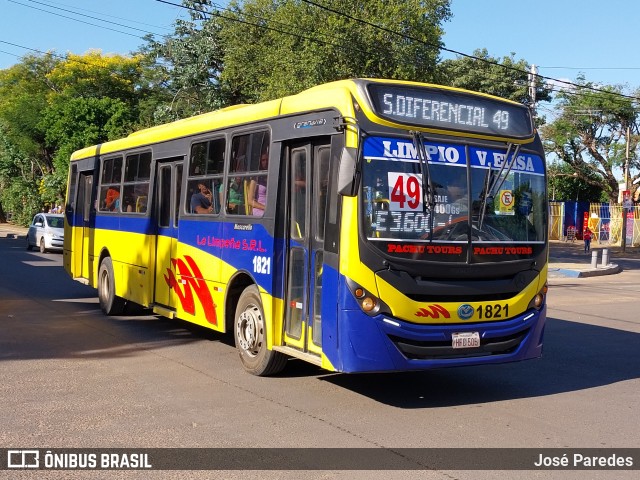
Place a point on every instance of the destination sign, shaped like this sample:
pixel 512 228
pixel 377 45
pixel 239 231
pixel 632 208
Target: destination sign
pixel 451 110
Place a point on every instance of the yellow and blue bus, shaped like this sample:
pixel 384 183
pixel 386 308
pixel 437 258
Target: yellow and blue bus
pixel 363 225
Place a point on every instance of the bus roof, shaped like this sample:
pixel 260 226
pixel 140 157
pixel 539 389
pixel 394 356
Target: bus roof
pixel 338 95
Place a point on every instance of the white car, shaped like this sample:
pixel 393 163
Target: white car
pixel 46 232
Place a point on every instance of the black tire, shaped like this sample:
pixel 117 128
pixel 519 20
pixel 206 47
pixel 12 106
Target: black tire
pixel 110 303
pixel 42 248
pixel 29 246
pixel 250 332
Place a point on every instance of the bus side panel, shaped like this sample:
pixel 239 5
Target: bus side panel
pixel 208 256
pixel 132 251
pixel 138 284
pixel 331 281
pixel 138 260
pixel 195 278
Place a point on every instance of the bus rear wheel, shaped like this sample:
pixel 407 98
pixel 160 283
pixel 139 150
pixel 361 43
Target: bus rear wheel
pixel 110 303
pixel 250 332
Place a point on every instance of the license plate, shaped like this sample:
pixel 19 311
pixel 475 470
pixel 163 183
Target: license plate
pixel 465 340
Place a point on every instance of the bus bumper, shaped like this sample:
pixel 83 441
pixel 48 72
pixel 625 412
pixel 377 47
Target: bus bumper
pixel 383 343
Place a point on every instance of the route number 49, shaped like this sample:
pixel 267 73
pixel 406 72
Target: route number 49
pixel 405 191
pixel 262 265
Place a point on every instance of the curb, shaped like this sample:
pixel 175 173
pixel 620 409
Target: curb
pixel 7 230
pixel 566 272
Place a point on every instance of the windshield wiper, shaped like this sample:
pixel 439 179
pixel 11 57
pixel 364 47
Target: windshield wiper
pixel 429 198
pixel 493 184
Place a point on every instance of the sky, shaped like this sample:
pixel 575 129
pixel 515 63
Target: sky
pixel 562 37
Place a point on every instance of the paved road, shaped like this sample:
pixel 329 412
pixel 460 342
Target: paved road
pixel 74 378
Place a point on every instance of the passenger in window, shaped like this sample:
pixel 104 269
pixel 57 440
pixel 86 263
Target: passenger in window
pixel 235 196
pixel 201 201
pixel 141 204
pixel 258 189
pixel 128 203
pixel 112 199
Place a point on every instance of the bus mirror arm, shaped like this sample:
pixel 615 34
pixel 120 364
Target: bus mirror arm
pixel 347 173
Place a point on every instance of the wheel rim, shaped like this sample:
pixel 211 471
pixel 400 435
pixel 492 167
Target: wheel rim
pixel 250 330
pixel 103 287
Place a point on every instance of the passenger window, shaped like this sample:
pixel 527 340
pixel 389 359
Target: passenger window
pixel 135 191
pixel 110 185
pixel 204 183
pixel 246 188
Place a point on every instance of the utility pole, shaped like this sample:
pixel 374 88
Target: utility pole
pixel 533 75
pixel 626 189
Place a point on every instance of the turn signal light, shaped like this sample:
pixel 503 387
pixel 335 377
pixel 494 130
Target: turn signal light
pixel 367 301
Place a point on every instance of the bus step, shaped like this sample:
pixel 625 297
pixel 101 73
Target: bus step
pixel 165 312
pixel 292 352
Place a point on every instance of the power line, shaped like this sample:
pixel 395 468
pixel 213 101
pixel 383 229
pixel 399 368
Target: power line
pixel 102 14
pixel 82 21
pixel 62 57
pixel 9 53
pixel 315 39
pixel 80 14
pixel 264 27
pixel 407 37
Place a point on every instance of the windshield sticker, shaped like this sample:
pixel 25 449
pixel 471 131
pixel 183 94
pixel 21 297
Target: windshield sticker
pixel 506 203
pixel 405 192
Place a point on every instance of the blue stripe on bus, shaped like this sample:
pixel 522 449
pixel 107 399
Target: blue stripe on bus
pixel 130 224
pixel 244 246
pixel 394 149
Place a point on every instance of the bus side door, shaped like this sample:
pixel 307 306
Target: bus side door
pixel 167 202
pixel 83 233
pixel 308 183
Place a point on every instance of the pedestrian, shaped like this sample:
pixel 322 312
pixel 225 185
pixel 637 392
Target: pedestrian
pixel 586 236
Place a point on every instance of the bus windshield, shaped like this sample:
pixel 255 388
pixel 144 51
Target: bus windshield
pixel 479 194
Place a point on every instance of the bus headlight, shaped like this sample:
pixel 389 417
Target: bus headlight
pixel 538 300
pixel 368 304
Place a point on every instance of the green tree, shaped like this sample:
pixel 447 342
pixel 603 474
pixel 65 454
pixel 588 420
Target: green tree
pixel 277 48
pixel 590 135
pixel 185 67
pixel 74 123
pixel 564 184
pixel 24 91
pixel 18 180
pixel 50 107
pixel 263 49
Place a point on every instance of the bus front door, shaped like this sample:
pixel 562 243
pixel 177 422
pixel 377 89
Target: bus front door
pixel 168 184
pixel 309 175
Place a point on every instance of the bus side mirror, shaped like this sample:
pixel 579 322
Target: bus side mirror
pixel 347 172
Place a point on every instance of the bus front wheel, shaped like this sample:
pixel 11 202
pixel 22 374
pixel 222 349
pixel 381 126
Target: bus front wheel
pixel 250 332
pixel 110 303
